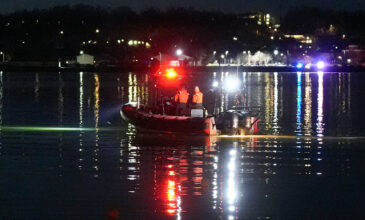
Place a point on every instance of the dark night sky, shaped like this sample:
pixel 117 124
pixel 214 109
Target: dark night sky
pixel 223 5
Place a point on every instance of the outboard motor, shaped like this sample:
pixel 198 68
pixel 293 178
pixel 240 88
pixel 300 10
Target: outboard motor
pixel 230 122
pixel 237 122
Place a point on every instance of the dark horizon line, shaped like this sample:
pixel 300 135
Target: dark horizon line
pixel 188 8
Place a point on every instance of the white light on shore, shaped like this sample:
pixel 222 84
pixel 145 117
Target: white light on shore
pixel 179 52
pixel 232 84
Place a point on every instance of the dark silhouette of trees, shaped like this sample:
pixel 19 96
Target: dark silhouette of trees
pixel 65 30
pixel 317 21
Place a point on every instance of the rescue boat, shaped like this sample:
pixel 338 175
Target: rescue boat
pixel 161 119
pixel 231 122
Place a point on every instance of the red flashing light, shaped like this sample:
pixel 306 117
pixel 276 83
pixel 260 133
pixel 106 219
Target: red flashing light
pixel 172 205
pixel 170 166
pixel 171 211
pixel 171 73
pixel 171 184
pixel 171 173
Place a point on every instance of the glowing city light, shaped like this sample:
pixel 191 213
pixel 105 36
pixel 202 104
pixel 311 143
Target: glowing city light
pixel 299 65
pixel 179 52
pixel 215 84
pixel 232 84
pixel 320 65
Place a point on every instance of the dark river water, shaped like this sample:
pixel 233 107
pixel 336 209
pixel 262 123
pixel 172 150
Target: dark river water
pixel 65 153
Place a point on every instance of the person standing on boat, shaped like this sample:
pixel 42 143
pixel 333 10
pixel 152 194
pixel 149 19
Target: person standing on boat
pixel 197 98
pixel 181 98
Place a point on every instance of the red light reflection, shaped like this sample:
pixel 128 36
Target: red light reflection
pixel 171 192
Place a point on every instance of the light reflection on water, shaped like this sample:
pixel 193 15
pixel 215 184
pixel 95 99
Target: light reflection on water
pixel 93 173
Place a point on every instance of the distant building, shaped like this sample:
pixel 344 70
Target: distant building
pixel 85 59
pixel 300 38
pixel 354 55
pixel 259 18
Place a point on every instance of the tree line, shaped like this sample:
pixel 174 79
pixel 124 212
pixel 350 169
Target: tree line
pixel 63 31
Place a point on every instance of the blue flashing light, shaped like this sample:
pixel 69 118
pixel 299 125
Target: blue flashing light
pixel 299 65
pixel 320 65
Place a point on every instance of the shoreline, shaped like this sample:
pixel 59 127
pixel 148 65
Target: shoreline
pixel 282 69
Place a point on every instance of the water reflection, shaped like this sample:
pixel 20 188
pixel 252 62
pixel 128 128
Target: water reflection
pixel 268 104
pixel 342 91
pixel 298 130
pixel 132 87
pixel 308 105
pixel 96 119
pixel 276 105
pixel 181 178
pixel 232 193
pixel 81 99
pixel 320 124
pixel 168 177
pixel 96 100
pixel 173 195
pixel 133 166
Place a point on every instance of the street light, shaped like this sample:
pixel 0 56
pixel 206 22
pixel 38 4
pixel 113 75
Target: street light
pixel 179 52
pixel 3 56
pixel 223 58
pixel 276 52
